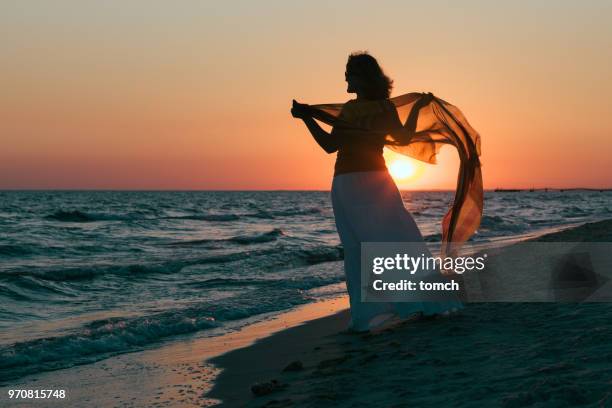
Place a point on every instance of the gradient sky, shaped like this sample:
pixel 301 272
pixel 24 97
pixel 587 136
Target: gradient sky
pixel 196 94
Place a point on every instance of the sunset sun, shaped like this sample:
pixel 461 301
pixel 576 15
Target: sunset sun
pixel 402 169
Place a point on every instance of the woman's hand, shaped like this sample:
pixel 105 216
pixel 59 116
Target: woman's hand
pixel 299 110
pixel 324 139
pixel 423 101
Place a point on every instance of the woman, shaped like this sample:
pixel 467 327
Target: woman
pixel 366 202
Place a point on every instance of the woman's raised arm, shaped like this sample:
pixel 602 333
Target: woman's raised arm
pixel 324 139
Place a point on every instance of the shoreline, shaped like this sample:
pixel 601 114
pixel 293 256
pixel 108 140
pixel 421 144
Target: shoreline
pixel 200 371
pixel 165 376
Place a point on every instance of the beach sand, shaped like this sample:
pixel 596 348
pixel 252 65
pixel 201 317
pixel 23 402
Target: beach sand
pixel 489 354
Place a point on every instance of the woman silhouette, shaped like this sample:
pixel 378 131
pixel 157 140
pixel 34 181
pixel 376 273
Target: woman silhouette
pixel 367 204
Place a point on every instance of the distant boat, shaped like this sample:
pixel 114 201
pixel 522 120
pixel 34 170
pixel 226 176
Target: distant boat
pixel 546 189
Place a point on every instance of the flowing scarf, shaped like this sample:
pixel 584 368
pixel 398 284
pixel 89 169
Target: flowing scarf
pixel 438 123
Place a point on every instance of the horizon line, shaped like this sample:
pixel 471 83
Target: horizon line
pixel 499 189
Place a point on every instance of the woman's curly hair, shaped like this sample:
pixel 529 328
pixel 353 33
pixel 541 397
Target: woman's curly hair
pixel 377 84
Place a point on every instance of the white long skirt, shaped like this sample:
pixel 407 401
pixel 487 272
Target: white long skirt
pixel 368 207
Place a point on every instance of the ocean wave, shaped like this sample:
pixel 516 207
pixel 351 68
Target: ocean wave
pixel 90 272
pixel 97 340
pixel 302 283
pixel 80 216
pixel 16 250
pixel 240 239
pixel 265 214
pixel 321 254
pixel 433 237
pixel 11 294
pixel 573 211
pixel 492 223
pixel 207 217
pixel 106 337
pixel 83 216
pixel 290 255
pixel 26 249
pixel 228 282
pixel 541 222
pixel 285 213
pixel 259 238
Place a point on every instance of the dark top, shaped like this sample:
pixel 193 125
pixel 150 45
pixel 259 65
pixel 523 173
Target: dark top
pixel 359 156
pixel 363 152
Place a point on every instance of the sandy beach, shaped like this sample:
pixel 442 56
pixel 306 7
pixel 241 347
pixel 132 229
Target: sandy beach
pixel 489 354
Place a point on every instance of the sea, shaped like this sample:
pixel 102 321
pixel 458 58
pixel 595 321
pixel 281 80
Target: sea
pixel 85 275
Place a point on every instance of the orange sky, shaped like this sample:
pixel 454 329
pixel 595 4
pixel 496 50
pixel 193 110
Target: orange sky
pixel 196 95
